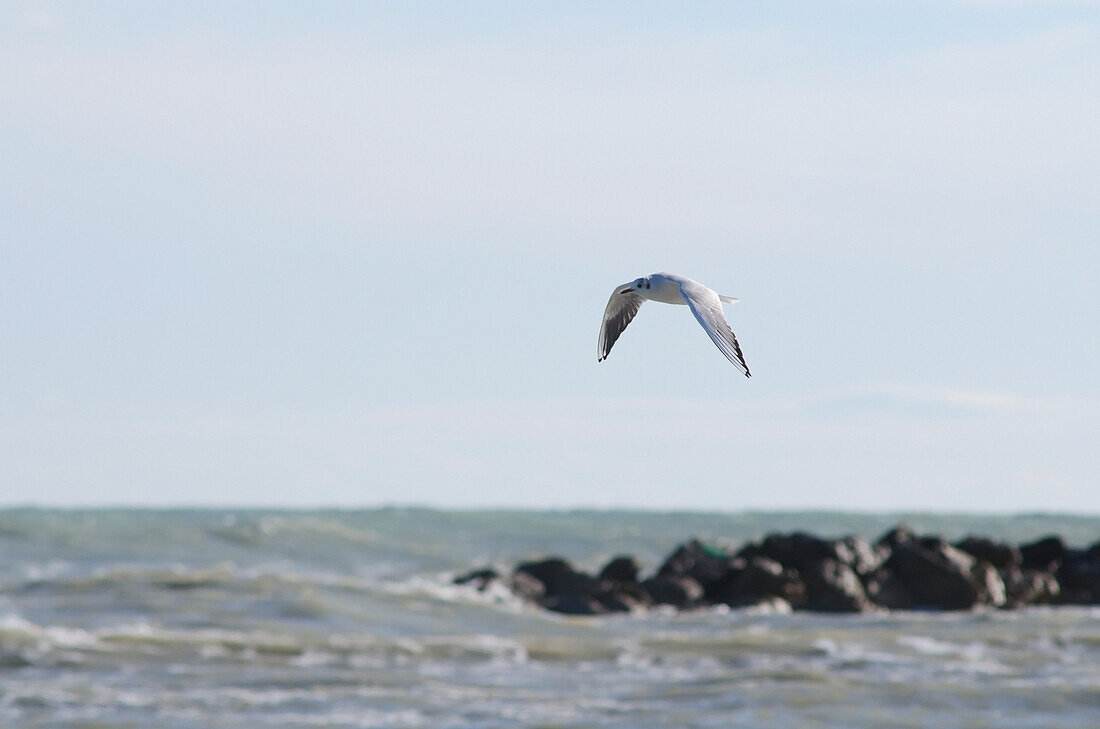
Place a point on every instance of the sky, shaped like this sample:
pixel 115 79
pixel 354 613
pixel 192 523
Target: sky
pixel 356 254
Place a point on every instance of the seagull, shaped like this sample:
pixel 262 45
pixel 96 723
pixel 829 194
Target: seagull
pixel 669 288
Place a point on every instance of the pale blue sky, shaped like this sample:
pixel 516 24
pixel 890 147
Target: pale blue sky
pixel 356 254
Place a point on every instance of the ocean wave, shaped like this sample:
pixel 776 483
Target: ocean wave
pixel 257 531
pixel 335 620
pixel 180 578
pixel 43 644
pixel 526 665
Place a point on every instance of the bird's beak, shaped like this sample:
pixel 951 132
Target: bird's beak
pixel 626 291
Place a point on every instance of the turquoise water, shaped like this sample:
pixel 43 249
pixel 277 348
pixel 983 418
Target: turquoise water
pixel 236 618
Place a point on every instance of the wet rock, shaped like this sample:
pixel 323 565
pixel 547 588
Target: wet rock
pixel 695 560
pixel 625 595
pixel 937 575
pixel 680 591
pixel 565 590
pixel 991 586
pixel 1079 577
pixel 574 604
pixel 568 590
pixel 797 550
pixel 525 587
pixel 558 576
pixel 886 589
pixel 1044 554
pixel 834 587
pixel 478 578
pixel 901 570
pixel 861 556
pixel 623 569
pixel 727 588
pixel 625 600
pixel 802 551
pixel 758 579
pixel 748 551
pixel 1030 587
pixel 1001 555
pixel 620 590
pixel 898 535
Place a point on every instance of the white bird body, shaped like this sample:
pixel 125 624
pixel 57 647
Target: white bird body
pixel 668 288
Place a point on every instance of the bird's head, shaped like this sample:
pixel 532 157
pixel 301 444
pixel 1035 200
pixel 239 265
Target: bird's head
pixel 637 284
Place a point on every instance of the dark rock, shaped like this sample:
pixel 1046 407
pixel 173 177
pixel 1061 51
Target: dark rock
pixel 751 550
pixel 937 575
pixel 695 560
pixel 991 586
pixel 726 589
pixel 999 554
pixel 560 584
pixel 574 604
pixel 801 551
pixel 761 577
pixel 901 570
pixel 758 579
pixel 549 571
pixel 798 550
pixel 932 542
pixel 478 578
pixel 834 587
pixel 887 590
pixel 525 587
pixel 899 534
pixel 858 554
pixel 559 577
pixel 623 596
pixel 561 588
pixel 625 601
pixel 1030 587
pixel 1044 554
pixel 677 590
pixel 623 569
pixel 1079 577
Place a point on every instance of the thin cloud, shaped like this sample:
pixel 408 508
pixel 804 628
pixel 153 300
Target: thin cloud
pixel 900 396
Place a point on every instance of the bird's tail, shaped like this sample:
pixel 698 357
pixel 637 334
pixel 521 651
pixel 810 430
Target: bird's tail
pixel 728 299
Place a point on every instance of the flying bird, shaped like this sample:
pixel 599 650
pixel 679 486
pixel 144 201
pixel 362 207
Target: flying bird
pixel 669 288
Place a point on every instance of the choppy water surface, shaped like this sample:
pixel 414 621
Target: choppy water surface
pixel 347 619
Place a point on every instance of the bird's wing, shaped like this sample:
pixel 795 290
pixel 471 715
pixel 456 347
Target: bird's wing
pixel 707 308
pixel 620 310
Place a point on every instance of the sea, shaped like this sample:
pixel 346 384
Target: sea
pixel 209 618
